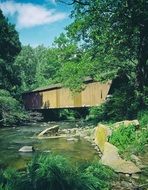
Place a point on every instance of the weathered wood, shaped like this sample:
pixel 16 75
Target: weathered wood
pixel 51 131
pixel 94 94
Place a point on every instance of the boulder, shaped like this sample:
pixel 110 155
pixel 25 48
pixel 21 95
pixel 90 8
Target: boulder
pixel 126 123
pixel 102 132
pixel 112 159
pixel 50 131
pixel 26 149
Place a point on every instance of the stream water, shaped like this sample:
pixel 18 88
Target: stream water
pixel 12 139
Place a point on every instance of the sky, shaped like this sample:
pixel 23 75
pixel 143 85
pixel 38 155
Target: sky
pixel 38 22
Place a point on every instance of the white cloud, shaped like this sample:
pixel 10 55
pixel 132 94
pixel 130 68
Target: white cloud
pixel 30 15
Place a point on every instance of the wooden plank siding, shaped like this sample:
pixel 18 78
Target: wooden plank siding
pixel 94 94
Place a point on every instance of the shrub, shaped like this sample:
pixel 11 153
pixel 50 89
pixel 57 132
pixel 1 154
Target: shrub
pixel 10 110
pixel 123 137
pixel 56 173
pixel 103 175
pixel 141 141
pixel 67 114
pixel 129 139
pixel 143 118
pixel 96 114
pixel 9 179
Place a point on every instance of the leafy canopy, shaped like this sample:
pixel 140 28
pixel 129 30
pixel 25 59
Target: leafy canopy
pixel 114 35
pixel 10 46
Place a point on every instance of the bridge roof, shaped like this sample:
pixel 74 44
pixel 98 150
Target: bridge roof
pixel 54 86
pixel 49 87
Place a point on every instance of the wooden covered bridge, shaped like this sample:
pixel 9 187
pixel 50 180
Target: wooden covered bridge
pixel 56 96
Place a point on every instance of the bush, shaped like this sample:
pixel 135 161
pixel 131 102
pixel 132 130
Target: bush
pixel 68 114
pixel 56 173
pixel 123 137
pixel 129 139
pixel 96 114
pixel 103 175
pixel 10 110
pixel 143 118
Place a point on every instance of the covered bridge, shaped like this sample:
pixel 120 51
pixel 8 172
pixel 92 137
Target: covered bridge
pixel 56 96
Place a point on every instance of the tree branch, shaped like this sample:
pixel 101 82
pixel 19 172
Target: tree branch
pixel 73 2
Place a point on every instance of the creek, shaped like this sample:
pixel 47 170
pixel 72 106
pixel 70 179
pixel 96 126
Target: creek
pixel 12 139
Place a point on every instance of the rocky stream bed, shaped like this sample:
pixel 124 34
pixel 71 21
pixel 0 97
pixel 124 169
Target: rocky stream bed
pixel 77 142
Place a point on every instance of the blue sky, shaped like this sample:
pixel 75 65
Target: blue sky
pixel 39 21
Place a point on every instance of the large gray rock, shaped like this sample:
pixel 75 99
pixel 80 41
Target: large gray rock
pixel 112 159
pixel 26 149
pixel 102 132
pixel 49 131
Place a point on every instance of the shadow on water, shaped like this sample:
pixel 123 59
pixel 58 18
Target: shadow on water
pixel 12 139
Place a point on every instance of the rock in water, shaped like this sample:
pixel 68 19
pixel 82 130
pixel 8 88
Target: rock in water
pixel 101 136
pixel 51 131
pixel 112 159
pixel 26 149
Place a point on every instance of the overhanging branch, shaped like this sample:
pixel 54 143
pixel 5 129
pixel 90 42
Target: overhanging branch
pixel 74 1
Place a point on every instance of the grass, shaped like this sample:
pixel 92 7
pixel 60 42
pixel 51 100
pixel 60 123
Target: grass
pixel 56 173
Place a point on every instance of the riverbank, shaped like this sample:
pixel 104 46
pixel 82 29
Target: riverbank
pixel 78 146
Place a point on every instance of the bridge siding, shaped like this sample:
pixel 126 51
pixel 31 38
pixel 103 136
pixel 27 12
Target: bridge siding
pixel 94 94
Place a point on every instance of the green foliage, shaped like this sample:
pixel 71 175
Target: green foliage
pixel 123 104
pixel 9 48
pixel 38 67
pixel 53 173
pixel 143 118
pixel 141 141
pixel 123 137
pixel 102 173
pixel 12 177
pixel 71 71
pixel 25 68
pixel 10 110
pixel 142 137
pixel 110 39
pixel 70 75
pixel 115 33
pixel 35 67
pixel 128 138
pixel 96 114
pixel 67 114
pixel 107 40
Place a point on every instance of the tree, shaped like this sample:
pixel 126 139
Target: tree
pixel 35 67
pixel 47 65
pixel 71 64
pixel 114 33
pixel 11 112
pixel 10 46
pixel 25 69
